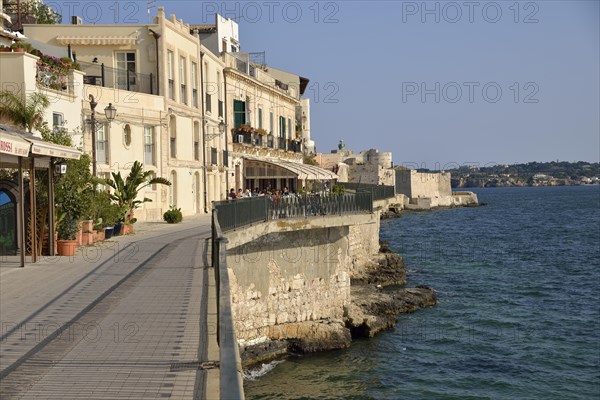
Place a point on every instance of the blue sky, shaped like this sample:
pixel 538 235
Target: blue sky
pixel 436 83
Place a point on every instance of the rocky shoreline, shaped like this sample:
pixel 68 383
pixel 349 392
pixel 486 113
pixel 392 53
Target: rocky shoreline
pixel 377 300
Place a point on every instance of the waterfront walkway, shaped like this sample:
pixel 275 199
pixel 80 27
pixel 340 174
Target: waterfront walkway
pixel 134 317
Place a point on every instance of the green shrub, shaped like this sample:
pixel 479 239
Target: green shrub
pixel 173 216
pixel 67 229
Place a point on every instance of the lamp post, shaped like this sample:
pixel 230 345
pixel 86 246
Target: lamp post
pixel 110 112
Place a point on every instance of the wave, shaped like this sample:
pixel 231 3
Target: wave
pixel 255 373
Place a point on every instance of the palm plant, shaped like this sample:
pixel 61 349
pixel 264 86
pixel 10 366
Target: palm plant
pixel 126 191
pixel 26 113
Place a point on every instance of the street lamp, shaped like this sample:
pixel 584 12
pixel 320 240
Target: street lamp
pixel 222 127
pixel 110 112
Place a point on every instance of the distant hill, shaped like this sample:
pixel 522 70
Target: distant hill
pixel 530 174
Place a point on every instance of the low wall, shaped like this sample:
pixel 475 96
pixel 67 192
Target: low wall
pixel 287 272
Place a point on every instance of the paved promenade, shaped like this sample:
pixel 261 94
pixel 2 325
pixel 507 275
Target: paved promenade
pixel 133 317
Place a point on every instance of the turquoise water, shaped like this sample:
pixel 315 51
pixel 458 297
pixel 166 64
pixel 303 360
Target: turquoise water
pixel 518 316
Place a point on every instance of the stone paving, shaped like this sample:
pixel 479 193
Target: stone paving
pixel 125 319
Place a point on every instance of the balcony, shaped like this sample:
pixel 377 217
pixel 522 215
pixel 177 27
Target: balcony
pixel 250 137
pixel 53 77
pixel 101 75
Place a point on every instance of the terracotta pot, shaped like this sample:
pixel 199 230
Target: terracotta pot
pixel 87 238
pixel 5 50
pixel 99 235
pixel 18 50
pixel 127 229
pixel 87 226
pixel 67 247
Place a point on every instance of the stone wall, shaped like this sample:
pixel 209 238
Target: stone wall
pixel 422 185
pixel 295 271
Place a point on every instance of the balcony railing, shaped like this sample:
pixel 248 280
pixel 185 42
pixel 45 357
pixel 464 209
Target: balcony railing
pixel 379 192
pixel 54 77
pixel 234 214
pixel 101 75
pixel 268 141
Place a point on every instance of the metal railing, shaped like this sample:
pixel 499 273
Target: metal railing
pixel 101 75
pixel 231 381
pixel 237 213
pixel 379 192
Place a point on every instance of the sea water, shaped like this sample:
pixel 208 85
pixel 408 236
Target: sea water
pixel 518 283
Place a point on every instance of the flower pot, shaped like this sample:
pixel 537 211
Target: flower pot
pixel 127 229
pixel 87 238
pixel 87 226
pixel 117 230
pixel 99 236
pixel 19 50
pixel 5 50
pixel 67 247
pixel 108 232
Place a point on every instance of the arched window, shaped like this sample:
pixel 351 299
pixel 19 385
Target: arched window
pixel 127 135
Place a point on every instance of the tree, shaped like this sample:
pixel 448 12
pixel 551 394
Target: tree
pixel 126 191
pixel 26 113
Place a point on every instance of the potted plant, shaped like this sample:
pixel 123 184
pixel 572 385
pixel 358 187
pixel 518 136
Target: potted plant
pixel 67 233
pixel 126 191
pixel 18 47
pixel 5 49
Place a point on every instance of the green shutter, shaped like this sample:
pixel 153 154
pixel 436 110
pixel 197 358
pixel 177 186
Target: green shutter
pixel 239 113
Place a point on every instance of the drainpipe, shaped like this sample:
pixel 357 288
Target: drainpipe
pixel 203 131
pixel 156 36
pixel 226 132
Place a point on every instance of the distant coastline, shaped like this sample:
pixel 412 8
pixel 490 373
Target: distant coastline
pixel 529 174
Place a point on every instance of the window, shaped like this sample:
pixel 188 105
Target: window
pixel 57 121
pixel 171 72
pixel 282 127
pixel 173 136
pixel 127 135
pixel 183 96
pixel 125 70
pixel 271 122
pixel 208 102
pixel 260 124
pixel 289 127
pixel 223 45
pixel 195 84
pixel 225 158
pixel 221 108
pixel 196 141
pixel 173 191
pixel 239 113
pixel 213 156
pixel 149 151
pixel 101 145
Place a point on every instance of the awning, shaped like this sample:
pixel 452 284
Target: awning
pixel 254 169
pixel 97 40
pixel 20 143
pixel 13 144
pixel 42 148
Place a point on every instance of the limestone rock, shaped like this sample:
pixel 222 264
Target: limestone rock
pixel 373 310
pixel 385 269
